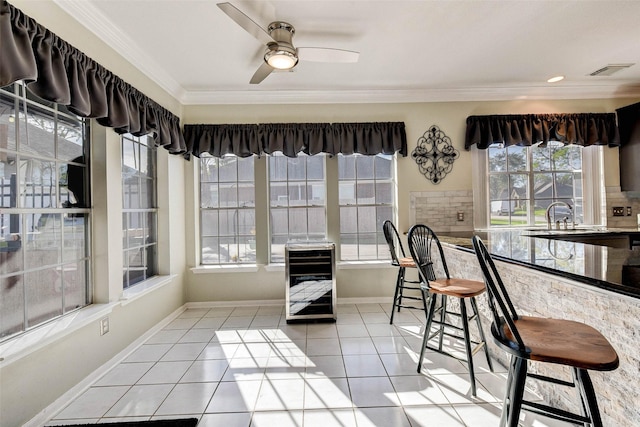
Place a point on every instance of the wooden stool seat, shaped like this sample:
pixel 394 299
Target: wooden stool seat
pixel 459 288
pixel 565 342
pixel 406 263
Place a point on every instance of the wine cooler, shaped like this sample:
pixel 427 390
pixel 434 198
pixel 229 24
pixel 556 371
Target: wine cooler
pixel 310 282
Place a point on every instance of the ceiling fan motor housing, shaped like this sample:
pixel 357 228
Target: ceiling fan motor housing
pixel 282 33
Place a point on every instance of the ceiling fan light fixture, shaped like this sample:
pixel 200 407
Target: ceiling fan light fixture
pixel 281 59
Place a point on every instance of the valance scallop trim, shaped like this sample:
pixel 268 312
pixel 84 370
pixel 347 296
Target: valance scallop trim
pixel 527 129
pixel 244 140
pixel 58 72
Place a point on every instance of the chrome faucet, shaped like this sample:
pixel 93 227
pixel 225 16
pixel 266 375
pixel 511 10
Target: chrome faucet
pixel 547 214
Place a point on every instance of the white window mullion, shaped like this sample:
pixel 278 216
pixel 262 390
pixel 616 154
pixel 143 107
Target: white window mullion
pixel 480 187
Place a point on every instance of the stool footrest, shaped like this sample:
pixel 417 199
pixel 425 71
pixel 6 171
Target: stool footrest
pixel 408 288
pixel 551 380
pixel 556 413
pixel 412 307
pixel 478 346
pixel 452 313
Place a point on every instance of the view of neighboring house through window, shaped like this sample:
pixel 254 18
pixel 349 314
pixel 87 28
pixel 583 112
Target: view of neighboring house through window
pixel 227 210
pixel 297 200
pixel 525 181
pixel 44 215
pixel 366 201
pixel 139 209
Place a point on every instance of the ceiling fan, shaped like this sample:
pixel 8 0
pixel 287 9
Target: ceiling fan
pixel 280 53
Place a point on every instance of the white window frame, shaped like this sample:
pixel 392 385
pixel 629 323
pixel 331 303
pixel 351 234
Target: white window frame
pixel 382 250
pixel 238 234
pixel 61 214
pixel 592 187
pixel 309 183
pixel 150 244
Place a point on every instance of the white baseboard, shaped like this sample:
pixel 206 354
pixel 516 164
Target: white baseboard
pixel 250 303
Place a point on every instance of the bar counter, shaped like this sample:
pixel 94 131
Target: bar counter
pixel 610 268
pixel 548 277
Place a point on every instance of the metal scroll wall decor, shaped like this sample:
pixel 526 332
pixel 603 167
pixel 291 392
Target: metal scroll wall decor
pixel 435 154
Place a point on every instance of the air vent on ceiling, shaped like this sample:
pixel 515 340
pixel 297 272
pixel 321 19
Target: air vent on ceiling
pixel 610 69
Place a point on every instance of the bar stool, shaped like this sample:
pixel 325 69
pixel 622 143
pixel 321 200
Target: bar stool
pixel 402 262
pixel 421 241
pixel 563 342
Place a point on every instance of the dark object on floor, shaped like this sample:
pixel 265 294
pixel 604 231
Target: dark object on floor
pixel 182 422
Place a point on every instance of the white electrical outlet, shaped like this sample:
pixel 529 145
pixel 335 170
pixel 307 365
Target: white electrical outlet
pixel 104 325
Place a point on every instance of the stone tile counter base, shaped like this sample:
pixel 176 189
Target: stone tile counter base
pixel 616 316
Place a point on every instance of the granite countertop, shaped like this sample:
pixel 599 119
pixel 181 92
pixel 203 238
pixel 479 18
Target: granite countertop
pixel 613 269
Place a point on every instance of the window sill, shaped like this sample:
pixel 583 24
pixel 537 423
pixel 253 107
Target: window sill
pixel 24 344
pixel 274 267
pixel 143 288
pixel 232 268
pixel 41 336
pixel 355 265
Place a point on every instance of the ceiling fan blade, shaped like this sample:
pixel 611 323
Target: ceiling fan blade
pixel 261 73
pixel 323 54
pixel 248 24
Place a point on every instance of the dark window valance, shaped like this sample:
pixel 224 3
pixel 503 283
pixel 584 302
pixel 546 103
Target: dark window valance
pixel 56 71
pixel 371 138
pixel 218 140
pixel 293 138
pixel 527 129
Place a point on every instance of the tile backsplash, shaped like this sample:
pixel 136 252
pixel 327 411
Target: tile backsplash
pixel 442 210
pixel 625 199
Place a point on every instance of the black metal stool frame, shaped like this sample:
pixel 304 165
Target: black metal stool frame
pixel 505 315
pixel 421 239
pixel 393 241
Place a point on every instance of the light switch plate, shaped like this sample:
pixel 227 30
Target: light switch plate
pixel 618 210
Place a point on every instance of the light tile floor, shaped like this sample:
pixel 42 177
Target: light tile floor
pixel 245 366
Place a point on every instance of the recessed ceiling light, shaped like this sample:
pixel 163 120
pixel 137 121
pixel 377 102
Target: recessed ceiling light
pixel 555 79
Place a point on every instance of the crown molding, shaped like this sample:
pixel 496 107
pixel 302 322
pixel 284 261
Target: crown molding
pixel 408 96
pixel 96 22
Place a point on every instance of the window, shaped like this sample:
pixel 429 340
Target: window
pixel 366 200
pixel 291 205
pixel 524 181
pixel 297 200
pixel 44 219
pixel 139 210
pixel 227 210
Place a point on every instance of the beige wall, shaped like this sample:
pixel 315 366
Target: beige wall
pixel 450 117
pixel 31 383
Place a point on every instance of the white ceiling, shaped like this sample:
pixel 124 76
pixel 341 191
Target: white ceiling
pixel 410 51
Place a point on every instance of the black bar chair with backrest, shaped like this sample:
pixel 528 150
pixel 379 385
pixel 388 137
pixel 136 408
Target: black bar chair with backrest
pixel 558 341
pixel 400 260
pixel 422 244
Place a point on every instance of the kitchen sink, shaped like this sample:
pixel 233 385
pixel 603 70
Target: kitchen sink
pixel 576 230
